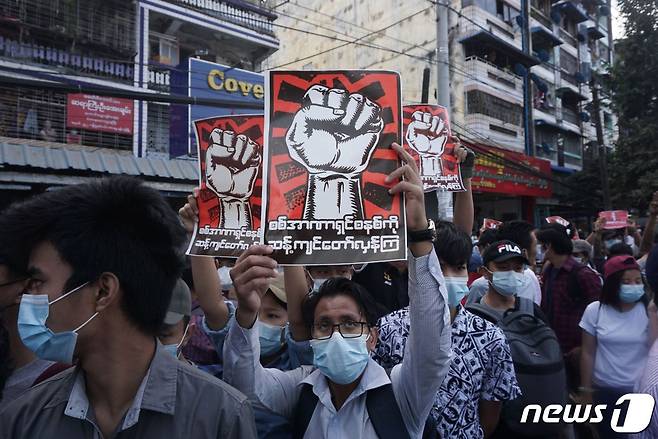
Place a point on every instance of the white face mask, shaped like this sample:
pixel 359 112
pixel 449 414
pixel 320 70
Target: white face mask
pixel 317 283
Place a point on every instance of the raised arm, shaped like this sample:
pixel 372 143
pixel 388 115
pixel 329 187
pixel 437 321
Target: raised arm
pixel 204 273
pixel 296 290
pixel 273 389
pixel 427 353
pixel 464 210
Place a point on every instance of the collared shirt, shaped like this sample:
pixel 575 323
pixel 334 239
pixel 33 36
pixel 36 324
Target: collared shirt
pixel 174 400
pixel 481 368
pixel 563 311
pixel 649 384
pixel 415 381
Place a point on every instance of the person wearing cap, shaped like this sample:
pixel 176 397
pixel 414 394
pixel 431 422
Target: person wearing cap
pixel 616 337
pixel 481 376
pixel 277 347
pixel 177 329
pixel 504 270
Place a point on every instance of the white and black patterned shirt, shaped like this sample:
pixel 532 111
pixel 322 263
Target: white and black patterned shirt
pixel 481 368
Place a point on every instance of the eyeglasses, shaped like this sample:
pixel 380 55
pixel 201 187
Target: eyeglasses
pixel 324 331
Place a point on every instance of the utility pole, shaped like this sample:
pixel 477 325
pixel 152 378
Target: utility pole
pixel 445 207
pixel 603 150
pixel 527 85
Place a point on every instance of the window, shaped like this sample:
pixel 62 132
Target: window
pixel 505 12
pixel 483 103
pixel 164 49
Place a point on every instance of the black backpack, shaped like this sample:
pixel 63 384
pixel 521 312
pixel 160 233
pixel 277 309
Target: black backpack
pixel 383 411
pixel 538 363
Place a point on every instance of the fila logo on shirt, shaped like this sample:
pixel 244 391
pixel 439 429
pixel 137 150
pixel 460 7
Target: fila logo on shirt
pixel 509 248
pixel 637 406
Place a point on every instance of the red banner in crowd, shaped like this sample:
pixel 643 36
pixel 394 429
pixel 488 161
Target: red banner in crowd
pixel 99 113
pixel 614 219
pixel 495 174
pixel 230 168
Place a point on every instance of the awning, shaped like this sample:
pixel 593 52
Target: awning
pixel 595 33
pixel 31 163
pixel 570 95
pixel 563 169
pixel 543 37
pixel 556 126
pixel 488 39
pixel 572 10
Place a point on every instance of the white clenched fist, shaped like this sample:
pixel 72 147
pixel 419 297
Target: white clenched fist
pixel 426 134
pixel 231 164
pixel 334 132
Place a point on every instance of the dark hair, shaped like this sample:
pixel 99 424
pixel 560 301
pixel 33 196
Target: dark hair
pixel 487 237
pixel 340 286
pixel 611 287
pixel 519 232
pixel 6 366
pixel 14 263
pixel 620 249
pixel 187 276
pixel 453 246
pixel 116 225
pixel 556 235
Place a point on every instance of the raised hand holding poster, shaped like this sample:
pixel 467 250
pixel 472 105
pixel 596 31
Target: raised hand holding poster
pixel 327 155
pixel 230 164
pixel 428 138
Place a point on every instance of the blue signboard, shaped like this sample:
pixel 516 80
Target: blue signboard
pixel 209 80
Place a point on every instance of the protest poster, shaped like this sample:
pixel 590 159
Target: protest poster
pixel 327 155
pixel 230 155
pixel 427 137
pixel 489 223
pixel 557 220
pixel 614 219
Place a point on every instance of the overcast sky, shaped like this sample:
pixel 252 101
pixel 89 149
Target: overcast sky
pixel 617 22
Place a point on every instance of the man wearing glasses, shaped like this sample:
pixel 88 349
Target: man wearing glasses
pixel 345 393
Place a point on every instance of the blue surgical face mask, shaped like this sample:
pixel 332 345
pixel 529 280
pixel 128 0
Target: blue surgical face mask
pixel 38 338
pixel 457 289
pixel 610 242
pixel 508 283
pixel 341 360
pixel 174 349
pixel 270 338
pixel 631 293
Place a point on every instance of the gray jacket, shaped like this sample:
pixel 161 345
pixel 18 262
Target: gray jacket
pixel 175 400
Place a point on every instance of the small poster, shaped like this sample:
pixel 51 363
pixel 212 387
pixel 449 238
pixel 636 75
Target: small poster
pixel 327 156
pixel 427 136
pixel 489 223
pixel 557 220
pixel 614 219
pixel 230 180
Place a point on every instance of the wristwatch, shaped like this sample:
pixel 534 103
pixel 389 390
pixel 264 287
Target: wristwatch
pixel 422 235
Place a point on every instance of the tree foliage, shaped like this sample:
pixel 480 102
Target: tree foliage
pixel 633 84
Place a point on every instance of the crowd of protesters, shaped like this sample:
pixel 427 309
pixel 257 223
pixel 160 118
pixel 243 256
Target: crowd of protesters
pixel 109 331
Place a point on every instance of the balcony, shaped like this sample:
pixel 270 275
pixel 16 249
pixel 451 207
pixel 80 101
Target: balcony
pixel 571 116
pixel 242 13
pixel 568 38
pixel 501 133
pixel 571 9
pixel 475 19
pixel 541 18
pixel 483 70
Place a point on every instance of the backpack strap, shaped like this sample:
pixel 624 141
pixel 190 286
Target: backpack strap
pixel 525 306
pixel 482 311
pixel 385 413
pixel 304 411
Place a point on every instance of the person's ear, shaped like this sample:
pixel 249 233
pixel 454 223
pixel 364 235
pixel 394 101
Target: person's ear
pixel 372 340
pixel 108 291
pixel 482 271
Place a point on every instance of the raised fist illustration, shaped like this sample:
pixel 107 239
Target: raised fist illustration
pixel 232 163
pixel 335 132
pixel 427 135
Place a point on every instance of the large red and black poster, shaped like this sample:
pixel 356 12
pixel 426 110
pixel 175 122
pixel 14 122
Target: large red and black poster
pixel 230 180
pixel 327 155
pixel 427 137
